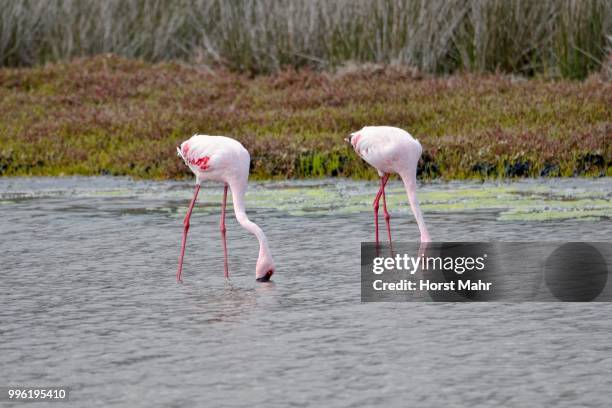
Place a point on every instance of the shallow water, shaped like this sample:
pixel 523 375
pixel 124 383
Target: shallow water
pixel 88 298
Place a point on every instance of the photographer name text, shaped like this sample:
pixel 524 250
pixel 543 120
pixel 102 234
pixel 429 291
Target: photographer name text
pixel 427 285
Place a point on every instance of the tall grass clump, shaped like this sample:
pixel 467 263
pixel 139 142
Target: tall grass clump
pixel 557 38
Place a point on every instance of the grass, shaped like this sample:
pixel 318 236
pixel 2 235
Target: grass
pixel 557 38
pixel 117 116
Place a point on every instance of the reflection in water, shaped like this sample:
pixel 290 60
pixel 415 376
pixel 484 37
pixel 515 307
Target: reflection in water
pixel 89 298
pixel 226 304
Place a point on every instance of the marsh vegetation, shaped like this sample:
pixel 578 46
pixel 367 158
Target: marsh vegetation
pixel 489 88
pixel 564 38
pixel 108 115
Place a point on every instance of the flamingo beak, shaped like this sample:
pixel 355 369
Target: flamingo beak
pixel 348 139
pixel 266 277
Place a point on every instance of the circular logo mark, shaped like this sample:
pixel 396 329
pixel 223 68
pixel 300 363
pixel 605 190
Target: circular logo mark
pixel 576 272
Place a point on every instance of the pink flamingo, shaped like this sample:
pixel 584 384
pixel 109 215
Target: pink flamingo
pixel 391 150
pixel 223 159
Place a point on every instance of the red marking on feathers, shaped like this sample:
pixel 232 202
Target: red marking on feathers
pixel 202 162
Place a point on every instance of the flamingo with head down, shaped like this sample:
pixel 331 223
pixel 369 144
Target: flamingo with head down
pixel 391 150
pixel 219 158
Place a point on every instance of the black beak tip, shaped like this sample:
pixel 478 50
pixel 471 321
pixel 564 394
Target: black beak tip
pixel 265 278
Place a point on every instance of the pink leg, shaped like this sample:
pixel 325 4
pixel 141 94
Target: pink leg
pixel 383 181
pixel 222 228
pixel 387 216
pixel 179 273
pixel 375 205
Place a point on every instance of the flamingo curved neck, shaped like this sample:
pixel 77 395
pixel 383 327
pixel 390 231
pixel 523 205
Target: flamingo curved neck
pixel 409 180
pixel 254 229
pixel 247 224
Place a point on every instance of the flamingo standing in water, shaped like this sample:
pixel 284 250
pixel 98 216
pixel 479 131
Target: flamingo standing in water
pixel 223 159
pixel 391 150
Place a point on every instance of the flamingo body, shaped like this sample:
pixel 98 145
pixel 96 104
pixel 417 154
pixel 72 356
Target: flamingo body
pixel 391 150
pixel 387 149
pixel 223 159
pixel 216 158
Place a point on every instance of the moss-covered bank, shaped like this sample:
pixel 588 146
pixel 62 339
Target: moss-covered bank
pixel 107 115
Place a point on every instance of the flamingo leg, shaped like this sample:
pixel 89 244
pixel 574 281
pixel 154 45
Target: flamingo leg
pixel 223 229
pixel 375 204
pixel 179 272
pixel 387 216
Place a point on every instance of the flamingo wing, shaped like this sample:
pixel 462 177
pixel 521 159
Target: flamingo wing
pixel 378 149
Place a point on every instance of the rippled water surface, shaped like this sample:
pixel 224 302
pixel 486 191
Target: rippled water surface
pixel 88 298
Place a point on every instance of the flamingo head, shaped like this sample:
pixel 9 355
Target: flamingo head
pixel 264 269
